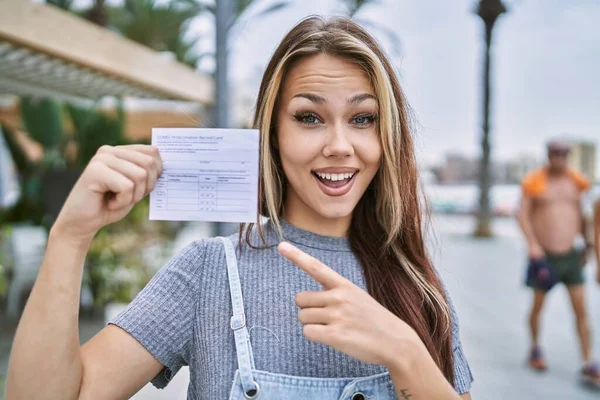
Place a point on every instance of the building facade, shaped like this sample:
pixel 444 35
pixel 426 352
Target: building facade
pixel 583 157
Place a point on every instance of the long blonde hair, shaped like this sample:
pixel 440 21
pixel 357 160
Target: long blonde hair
pixel 388 242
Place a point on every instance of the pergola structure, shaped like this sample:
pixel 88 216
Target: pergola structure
pixel 45 51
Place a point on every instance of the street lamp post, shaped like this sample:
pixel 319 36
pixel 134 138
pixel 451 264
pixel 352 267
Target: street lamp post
pixel 489 11
pixel 224 17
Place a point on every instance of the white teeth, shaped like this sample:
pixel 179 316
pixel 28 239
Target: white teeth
pixel 335 177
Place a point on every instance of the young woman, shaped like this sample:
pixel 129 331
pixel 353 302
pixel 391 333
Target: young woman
pixel 333 298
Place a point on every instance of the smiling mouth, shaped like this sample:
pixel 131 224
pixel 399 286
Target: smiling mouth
pixel 334 180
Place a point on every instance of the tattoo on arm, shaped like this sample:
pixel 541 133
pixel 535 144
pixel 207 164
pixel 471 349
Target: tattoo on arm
pixel 405 395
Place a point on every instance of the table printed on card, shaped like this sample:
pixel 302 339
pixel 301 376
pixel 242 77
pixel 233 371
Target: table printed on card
pixel 208 175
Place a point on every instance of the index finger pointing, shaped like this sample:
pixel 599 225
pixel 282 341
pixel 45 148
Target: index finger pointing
pixel 313 267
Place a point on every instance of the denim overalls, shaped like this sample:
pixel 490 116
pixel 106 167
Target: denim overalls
pixel 249 383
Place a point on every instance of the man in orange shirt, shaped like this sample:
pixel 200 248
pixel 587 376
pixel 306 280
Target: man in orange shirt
pixel 551 218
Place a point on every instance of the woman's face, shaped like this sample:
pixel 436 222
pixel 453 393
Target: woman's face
pixel 328 138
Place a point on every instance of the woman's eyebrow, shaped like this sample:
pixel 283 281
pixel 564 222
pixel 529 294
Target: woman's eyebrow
pixel 315 98
pixel 359 98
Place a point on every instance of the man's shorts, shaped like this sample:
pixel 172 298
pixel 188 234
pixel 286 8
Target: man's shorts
pixel 565 268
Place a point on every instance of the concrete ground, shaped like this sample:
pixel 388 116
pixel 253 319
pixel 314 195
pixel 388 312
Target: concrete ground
pixel 484 278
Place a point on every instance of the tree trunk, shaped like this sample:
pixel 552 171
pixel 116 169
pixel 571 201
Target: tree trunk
pixel 484 215
pixel 98 14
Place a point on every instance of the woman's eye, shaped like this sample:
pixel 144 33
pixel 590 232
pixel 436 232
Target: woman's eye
pixel 363 120
pixel 307 118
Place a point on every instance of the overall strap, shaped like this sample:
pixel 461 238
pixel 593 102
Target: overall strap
pixel 243 348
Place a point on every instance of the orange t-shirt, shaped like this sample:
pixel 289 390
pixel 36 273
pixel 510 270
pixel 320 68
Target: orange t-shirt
pixel 535 182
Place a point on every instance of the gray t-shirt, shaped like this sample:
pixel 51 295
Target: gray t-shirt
pixel 182 316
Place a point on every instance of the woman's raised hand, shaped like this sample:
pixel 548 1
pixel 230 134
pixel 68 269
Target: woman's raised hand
pixel 115 179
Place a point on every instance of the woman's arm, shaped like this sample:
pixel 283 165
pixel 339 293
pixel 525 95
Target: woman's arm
pixel 48 329
pixel 416 376
pixel 47 361
pixel 115 366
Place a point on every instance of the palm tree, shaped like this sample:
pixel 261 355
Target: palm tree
pixel 96 14
pixel 489 11
pixel 159 26
pixel 64 4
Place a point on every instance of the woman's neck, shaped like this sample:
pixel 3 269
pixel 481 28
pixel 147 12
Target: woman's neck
pixel 303 217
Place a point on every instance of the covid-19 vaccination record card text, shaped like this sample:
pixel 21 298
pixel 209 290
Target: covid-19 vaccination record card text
pixel 208 175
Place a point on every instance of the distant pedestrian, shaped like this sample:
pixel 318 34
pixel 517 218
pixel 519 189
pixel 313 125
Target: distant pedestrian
pixel 551 218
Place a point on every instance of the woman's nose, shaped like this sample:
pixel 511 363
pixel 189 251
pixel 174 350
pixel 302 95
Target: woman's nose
pixel 338 143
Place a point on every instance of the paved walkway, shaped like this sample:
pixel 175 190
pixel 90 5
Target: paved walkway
pixel 484 279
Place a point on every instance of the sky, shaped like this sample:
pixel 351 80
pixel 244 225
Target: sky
pixel 546 80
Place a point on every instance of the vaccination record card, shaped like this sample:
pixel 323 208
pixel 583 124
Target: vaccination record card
pixel 208 175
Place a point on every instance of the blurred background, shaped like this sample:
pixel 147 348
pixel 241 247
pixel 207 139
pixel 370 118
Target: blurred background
pixel 489 83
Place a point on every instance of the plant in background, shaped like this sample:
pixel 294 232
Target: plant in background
pixel 45 182
pixel 125 255
pixel 115 269
pixel 42 120
pixel 159 25
pixel 93 129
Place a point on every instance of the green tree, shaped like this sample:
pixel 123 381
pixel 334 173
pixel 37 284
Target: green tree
pixel 489 11
pixel 157 25
pixel 64 4
pixel 42 120
pixel 162 27
pixel 97 13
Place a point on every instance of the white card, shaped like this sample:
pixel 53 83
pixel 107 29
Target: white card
pixel 208 175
